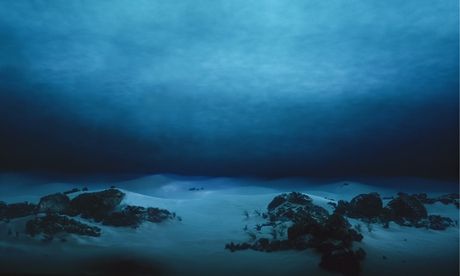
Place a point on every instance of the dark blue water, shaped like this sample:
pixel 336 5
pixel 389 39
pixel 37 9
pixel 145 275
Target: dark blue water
pixel 261 88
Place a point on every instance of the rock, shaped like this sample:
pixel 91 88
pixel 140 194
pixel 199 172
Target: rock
pixel 133 216
pixel 405 210
pixel 16 210
pixel 342 207
pixel 309 226
pixel 52 224
pixel 439 223
pixel 452 198
pixel 344 261
pixel 158 215
pixel 365 206
pixel 97 205
pixel 3 207
pixel 239 246
pixel 295 207
pixel 55 203
pixel 293 198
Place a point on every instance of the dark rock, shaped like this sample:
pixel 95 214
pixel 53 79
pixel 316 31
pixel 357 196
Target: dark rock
pixel 55 203
pixel 52 224
pixel 239 246
pixel 295 207
pixel 452 198
pixel 158 215
pixel 365 206
pixel 84 189
pixel 97 205
pixel 3 207
pixel 16 210
pixel 344 261
pixel 133 216
pixel 405 210
pixel 439 223
pixel 293 198
pixel 342 207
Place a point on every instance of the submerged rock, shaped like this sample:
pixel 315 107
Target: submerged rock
pixel 52 224
pixel 344 261
pixel 158 215
pixel 405 210
pixel 3 207
pixel 97 205
pixel 133 216
pixel 310 226
pixel 365 206
pixel 55 203
pixel 296 207
pixel 17 210
pixel 437 222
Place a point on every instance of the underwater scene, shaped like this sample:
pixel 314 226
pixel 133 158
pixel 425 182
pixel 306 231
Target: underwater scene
pixel 229 137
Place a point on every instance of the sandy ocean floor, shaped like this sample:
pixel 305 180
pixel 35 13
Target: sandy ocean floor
pixel 214 216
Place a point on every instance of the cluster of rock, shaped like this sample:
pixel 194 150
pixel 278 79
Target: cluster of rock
pixel 53 212
pixel 404 209
pixel 444 199
pixel 310 226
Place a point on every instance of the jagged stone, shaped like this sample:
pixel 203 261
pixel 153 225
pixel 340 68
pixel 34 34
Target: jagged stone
pixel 3 207
pixel 437 222
pixel 295 207
pixel 405 210
pixel 55 203
pixel 158 215
pixel 133 216
pixel 17 210
pixel 97 205
pixel 52 224
pixel 344 261
pixel 366 206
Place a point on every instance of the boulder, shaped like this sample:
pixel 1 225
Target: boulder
pixel 366 206
pixel 133 216
pixel 52 224
pixel 406 210
pixel 3 207
pixel 158 215
pixel 55 203
pixel 296 207
pixel 344 261
pixel 16 210
pixel 97 205
pixel 439 223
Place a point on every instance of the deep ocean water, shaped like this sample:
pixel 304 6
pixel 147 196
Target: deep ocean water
pixel 216 137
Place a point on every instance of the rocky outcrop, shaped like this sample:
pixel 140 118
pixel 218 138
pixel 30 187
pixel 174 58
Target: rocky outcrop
pixel 446 199
pixel 55 203
pixel 53 224
pixel 310 226
pixel 365 206
pixel 17 210
pixel 3 207
pixel 344 261
pixel 296 207
pixel 133 216
pixel 437 222
pixel 97 205
pixel 405 210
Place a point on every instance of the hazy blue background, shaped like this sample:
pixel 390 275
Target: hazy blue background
pixel 270 88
